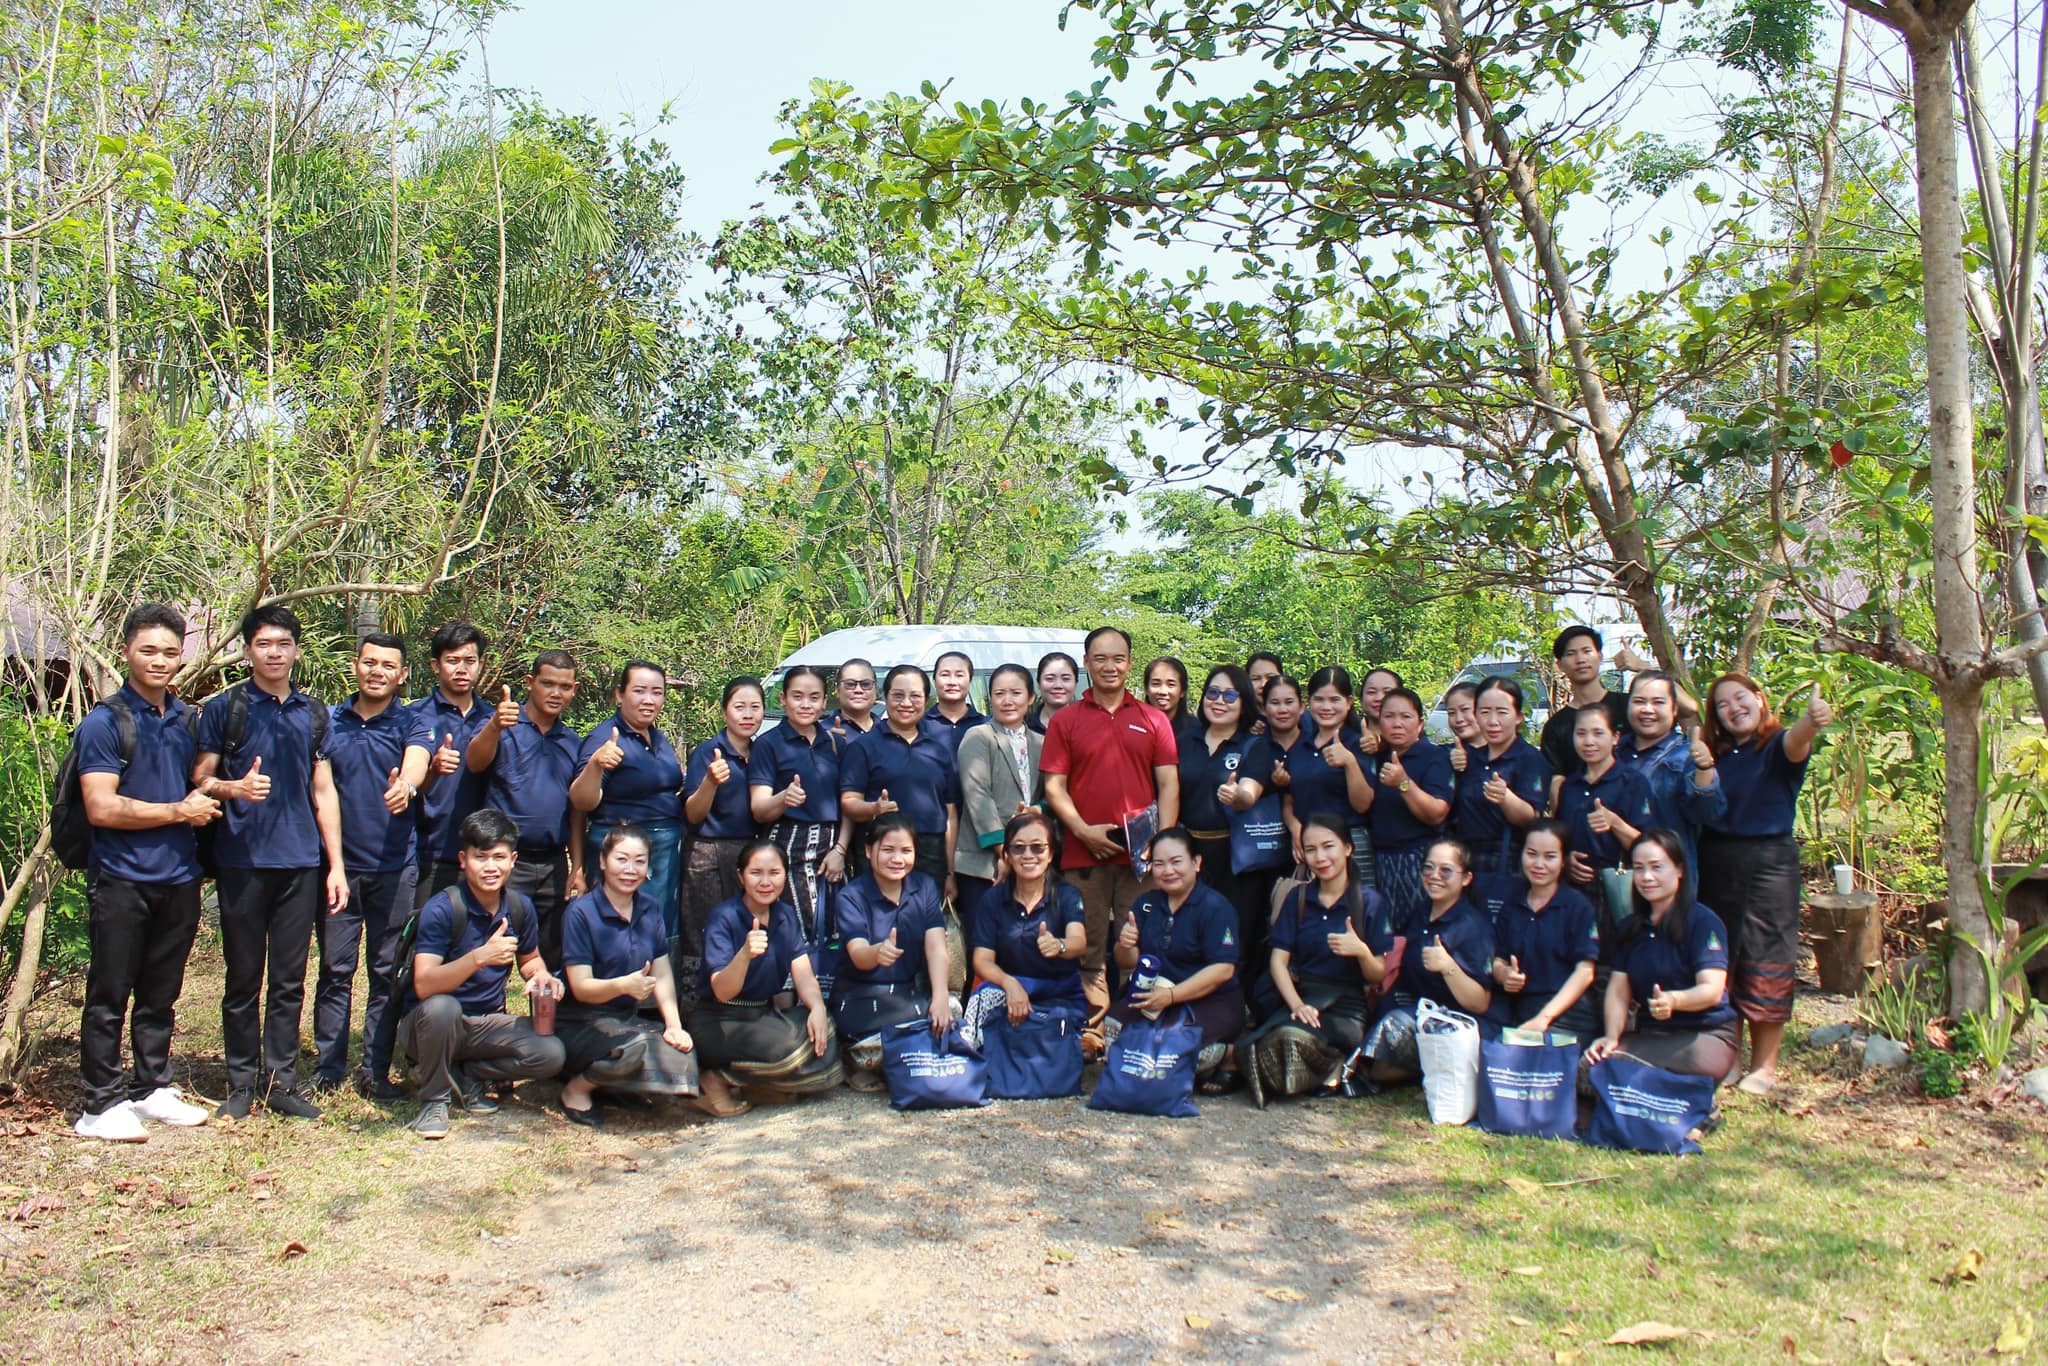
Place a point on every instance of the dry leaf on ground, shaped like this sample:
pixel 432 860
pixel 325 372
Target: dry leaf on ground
pixel 1285 1294
pixel 1196 1322
pixel 1966 1268
pixel 1647 1332
pixel 2016 1335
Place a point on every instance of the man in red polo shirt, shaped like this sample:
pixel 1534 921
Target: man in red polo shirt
pixel 1107 756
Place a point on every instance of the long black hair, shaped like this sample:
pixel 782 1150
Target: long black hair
pixel 1248 712
pixel 1672 844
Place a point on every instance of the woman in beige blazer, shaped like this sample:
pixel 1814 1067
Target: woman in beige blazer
pixel 998 765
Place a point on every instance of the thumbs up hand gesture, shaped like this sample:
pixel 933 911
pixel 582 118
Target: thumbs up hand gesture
pixel 720 771
pixel 1509 973
pixel 447 758
pixel 1048 946
pixel 397 794
pixel 1127 938
pixel 1662 1003
pixel 757 942
pixel 1496 789
pixel 255 783
pixel 609 755
pixel 501 948
pixel 1459 757
pixel 507 714
pixel 1392 773
pixel 1599 819
pixel 1817 709
pixel 883 806
pixel 886 952
pixel 1702 752
pixel 638 985
pixel 1435 957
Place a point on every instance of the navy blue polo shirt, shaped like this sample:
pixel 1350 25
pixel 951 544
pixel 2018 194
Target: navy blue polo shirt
pixel 781 754
pixel 1622 790
pixel 530 781
pixel 1467 937
pixel 1304 926
pixel 1763 789
pixel 846 730
pixel 1394 826
pixel 160 772
pixel 279 831
pixel 448 933
pixel 1478 821
pixel 919 776
pixel 1005 928
pixel 363 753
pixel 953 732
pixel 1201 773
pixel 725 934
pixel 1550 943
pixel 1317 788
pixel 447 799
pixel 1652 959
pixel 1201 933
pixel 596 936
pixel 860 910
pixel 732 815
pixel 643 788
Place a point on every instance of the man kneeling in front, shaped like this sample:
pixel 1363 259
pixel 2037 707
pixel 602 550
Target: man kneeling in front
pixel 455 1028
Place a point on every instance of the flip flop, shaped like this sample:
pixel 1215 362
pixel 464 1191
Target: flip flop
pixel 716 1111
pixel 1756 1084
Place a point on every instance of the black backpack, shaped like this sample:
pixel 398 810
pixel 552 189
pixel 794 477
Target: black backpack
pixel 519 917
pixel 233 732
pixel 70 831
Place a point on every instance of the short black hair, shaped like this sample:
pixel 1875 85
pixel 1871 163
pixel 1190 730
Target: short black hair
pixel 272 614
pixel 453 635
pixel 906 671
pixel 1572 633
pixel 1394 674
pixel 1256 655
pixel 1408 695
pixel 856 660
pixel 150 616
pixel 1089 643
pixel 552 659
pixel 960 655
pixel 487 829
pixel 632 666
pixel 383 640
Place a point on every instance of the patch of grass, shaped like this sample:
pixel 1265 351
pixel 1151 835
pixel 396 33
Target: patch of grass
pixel 152 1251
pixel 1818 1232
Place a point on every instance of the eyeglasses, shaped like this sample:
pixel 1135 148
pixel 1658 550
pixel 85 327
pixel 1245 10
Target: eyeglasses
pixel 1031 848
pixel 1443 870
pixel 916 697
pixel 863 684
pixel 1220 694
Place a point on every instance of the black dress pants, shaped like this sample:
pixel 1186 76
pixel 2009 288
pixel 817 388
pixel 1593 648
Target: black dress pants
pixel 140 935
pixel 378 904
pixel 266 926
pixel 543 874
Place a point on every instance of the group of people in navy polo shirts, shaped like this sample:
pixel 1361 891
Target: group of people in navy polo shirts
pixel 755 915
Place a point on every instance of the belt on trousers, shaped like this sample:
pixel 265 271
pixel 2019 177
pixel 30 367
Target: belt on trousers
pixel 1210 834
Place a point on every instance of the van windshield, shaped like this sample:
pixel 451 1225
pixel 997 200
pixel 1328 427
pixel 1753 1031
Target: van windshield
pixel 771 688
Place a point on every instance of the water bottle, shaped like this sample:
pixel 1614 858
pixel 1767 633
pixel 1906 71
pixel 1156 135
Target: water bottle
pixel 1151 975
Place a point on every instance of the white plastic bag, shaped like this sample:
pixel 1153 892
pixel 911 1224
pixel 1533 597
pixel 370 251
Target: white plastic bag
pixel 1449 1044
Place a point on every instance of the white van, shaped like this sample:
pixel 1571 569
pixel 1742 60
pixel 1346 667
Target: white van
pixel 887 646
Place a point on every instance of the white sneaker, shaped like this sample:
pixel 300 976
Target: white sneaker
pixel 164 1107
pixel 118 1125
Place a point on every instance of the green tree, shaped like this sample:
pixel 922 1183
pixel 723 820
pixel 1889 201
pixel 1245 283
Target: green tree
pixel 931 449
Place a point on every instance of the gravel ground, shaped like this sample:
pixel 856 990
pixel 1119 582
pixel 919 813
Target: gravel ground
pixel 837 1227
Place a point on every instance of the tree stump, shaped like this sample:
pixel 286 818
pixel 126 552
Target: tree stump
pixel 1847 934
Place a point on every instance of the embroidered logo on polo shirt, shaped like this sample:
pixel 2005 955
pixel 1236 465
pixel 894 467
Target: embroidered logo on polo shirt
pixel 1142 730
pixel 1713 941
pixel 1229 937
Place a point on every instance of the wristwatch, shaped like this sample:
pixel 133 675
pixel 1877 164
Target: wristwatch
pixel 1406 783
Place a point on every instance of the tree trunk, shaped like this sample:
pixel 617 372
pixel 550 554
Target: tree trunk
pixel 13 1018
pixel 1958 612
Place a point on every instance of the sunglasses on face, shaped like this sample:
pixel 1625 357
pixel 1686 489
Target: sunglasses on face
pixel 1220 694
pixel 1031 848
pixel 863 684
